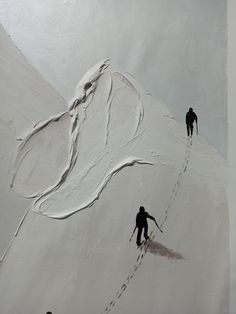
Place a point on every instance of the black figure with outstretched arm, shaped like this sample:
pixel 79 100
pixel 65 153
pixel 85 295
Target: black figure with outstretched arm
pixel 141 224
pixel 190 118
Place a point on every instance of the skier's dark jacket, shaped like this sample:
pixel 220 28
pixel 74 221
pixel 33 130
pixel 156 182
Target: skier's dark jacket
pixel 190 117
pixel 141 219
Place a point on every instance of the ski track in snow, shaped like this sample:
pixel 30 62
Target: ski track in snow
pixel 153 233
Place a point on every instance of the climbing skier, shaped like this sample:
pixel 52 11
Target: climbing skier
pixel 141 223
pixel 190 118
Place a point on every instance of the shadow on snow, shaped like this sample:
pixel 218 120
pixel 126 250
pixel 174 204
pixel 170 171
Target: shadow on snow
pixel 156 248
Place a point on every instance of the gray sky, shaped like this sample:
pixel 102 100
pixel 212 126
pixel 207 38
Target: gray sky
pixel 175 48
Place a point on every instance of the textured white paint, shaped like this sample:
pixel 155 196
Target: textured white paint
pixel 84 262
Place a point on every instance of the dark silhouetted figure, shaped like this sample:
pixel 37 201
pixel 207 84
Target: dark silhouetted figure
pixel 49 313
pixel 141 223
pixel 190 118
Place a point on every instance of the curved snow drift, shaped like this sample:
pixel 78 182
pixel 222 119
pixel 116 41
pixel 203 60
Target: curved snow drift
pixel 109 125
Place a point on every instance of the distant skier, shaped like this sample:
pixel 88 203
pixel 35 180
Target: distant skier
pixel 190 118
pixel 141 223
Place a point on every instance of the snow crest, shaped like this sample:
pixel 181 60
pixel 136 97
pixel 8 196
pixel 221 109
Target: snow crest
pixel 99 136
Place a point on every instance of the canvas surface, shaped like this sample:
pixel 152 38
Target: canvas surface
pixel 75 171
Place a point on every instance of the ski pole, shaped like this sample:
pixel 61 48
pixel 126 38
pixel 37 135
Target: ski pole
pixel 132 234
pixel 197 127
pixel 158 226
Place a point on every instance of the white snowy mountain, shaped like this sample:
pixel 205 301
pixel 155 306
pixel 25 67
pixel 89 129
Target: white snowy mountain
pixel 91 166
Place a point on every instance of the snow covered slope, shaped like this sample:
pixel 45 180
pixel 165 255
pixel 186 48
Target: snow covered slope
pixel 25 98
pixel 117 148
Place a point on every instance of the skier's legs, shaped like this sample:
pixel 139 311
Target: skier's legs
pixel 139 233
pixel 187 126
pixel 191 129
pixel 146 232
